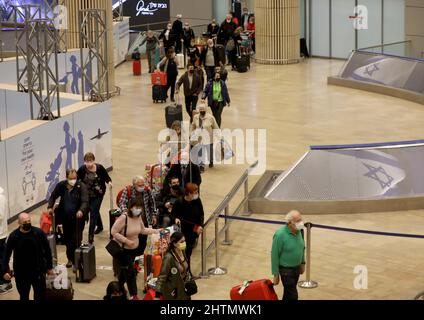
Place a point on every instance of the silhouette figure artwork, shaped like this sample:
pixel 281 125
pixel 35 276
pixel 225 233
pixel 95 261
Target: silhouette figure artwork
pixel 76 75
pixel 80 149
pixel 99 134
pixel 53 175
pixel 70 146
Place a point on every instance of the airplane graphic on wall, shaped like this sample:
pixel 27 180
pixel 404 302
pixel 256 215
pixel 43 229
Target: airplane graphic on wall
pixel 99 134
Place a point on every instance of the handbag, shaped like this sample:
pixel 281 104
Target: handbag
pixel 113 247
pixel 190 285
pixel 230 45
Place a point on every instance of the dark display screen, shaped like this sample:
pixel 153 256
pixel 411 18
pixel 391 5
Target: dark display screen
pixel 142 12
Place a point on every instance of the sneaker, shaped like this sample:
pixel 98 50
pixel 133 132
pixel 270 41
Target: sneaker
pixel 69 264
pixel 202 169
pixel 210 165
pixel 134 297
pixel 6 288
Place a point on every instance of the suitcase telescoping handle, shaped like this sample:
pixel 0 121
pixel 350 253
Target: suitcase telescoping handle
pixel 111 198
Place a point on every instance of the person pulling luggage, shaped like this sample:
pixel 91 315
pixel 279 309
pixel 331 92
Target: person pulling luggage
pixel 192 88
pixel 169 65
pixel 32 259
pixel 73 207
pixel 218 97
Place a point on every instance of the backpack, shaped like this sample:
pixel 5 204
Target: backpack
pixel 119 195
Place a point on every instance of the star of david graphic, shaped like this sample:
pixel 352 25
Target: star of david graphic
pixel 379 174
pixel 369 70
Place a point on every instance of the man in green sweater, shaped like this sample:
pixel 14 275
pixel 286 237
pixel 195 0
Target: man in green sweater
pixel 288 255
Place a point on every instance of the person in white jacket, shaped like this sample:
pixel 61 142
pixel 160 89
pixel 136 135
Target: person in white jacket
pixel 5 286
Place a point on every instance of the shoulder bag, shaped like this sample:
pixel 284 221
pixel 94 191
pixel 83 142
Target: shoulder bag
pixel 113 247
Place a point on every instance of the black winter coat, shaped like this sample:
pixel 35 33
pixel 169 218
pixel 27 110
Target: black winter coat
pixel 79 194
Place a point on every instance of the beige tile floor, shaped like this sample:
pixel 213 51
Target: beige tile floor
pixel 298 109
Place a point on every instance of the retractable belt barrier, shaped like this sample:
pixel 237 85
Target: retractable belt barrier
pixel 308 283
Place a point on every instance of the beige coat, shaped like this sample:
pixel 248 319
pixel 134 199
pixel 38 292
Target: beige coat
pixel 208 125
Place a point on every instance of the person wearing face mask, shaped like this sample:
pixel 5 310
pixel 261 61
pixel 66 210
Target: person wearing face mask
pixel 226 30
pixel 188 213
pixel 192 88
pixel 139 190
pixel 169 65
pixel 213 28
pixel 288 255
pixel 188 35
pixel 204 124
pixel 32 259
pixel 177 30
pixel 115 292
pixel 175 270
pixel 126 231
pixel 168 37
pixel 151 44
pixel 209 58
pixel 185 170
pixel 95 177
pixel 218 97
pixel 193 53
pixel 166 200
pixel 73 207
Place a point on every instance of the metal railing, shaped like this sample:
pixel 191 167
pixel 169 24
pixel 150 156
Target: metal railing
pixel 223 207
pixel 399 48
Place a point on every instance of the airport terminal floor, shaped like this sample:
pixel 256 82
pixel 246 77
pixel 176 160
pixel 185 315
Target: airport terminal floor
pixel 298 109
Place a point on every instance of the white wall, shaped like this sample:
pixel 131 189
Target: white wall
pixel 195 12
pixel 220 9
pixel 35 165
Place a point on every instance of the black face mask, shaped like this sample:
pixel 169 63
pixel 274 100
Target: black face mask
pixel 26 226
pixel 191 71
pixel 175 187
pixel 217 79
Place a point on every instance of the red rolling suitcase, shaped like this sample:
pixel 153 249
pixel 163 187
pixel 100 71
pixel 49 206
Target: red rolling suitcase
pixel 158 78
pixel 137 67
pixel 254 290
pixel 150 295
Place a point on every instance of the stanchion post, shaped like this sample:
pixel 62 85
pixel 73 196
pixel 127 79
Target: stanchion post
pixel 308 283
pixel 217 271
pixel 203 273
pixel 246 197
pixel 227 241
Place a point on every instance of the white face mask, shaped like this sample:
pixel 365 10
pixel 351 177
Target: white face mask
pixel 136 212
pixel 299 225
pixel 195 196
pixel 139 189
pixel 72 182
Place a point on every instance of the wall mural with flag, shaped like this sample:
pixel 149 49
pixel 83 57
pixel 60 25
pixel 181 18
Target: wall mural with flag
pixel 399 72
pixel 353 173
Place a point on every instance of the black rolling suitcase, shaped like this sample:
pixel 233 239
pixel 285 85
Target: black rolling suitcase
pixel 85 260
pixel 242 62
pixel 173 112
pixel 159 93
